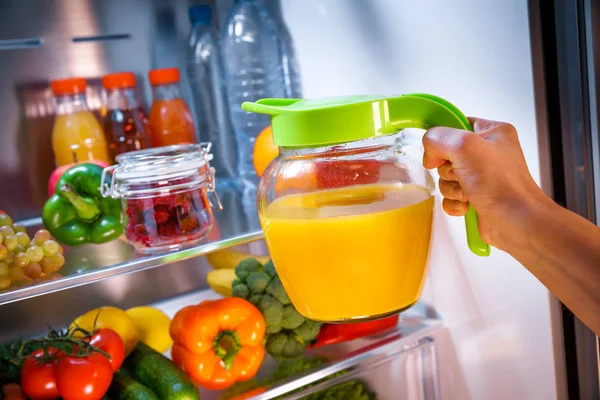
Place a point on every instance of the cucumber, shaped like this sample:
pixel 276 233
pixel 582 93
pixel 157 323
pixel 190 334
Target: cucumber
pixel 124 387
pixel 160 374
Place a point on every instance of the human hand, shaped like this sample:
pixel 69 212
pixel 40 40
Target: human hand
pixel 486 168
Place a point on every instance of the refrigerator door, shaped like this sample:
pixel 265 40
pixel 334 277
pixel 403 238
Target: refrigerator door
pixel 568 112
pixel 478 56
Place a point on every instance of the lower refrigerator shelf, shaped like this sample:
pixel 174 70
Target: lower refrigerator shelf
pixel 399 364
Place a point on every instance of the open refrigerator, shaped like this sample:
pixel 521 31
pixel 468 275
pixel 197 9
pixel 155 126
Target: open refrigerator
pixel 484 327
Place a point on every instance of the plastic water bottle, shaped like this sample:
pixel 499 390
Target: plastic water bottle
pixel 252 52
pixel 205 76
pixel 291 70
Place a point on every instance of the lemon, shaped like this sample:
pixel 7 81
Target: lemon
pixel 112 318
pixel 153 327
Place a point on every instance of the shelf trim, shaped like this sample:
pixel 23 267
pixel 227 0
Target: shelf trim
pixel 128 267
pixel 394 343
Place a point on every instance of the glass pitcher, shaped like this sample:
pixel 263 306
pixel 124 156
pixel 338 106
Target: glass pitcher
pixel 347 207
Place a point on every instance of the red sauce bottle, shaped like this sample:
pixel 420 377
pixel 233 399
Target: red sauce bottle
pixel 171 121
pixel 125 124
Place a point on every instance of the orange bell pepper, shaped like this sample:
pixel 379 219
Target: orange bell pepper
pixel 218 342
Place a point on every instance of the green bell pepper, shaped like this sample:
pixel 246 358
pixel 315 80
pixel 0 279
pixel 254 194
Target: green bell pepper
pixel 77 213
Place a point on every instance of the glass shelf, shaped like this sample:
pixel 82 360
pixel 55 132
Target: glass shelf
pixel 92 263
pixel 398 364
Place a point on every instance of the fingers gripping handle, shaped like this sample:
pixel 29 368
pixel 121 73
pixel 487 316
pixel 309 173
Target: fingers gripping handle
pixel 426 111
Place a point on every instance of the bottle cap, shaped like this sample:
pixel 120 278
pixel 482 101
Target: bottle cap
pixel 164 76
pixel 119 80
pixel 68 86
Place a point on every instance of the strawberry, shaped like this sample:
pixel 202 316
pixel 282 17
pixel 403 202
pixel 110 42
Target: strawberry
pixel 161 214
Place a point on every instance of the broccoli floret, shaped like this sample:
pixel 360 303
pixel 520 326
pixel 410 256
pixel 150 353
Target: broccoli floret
pixel 275 344
pixel 271 309
pixel 273 329
pixel 276 290
pixel 247 266
pixel 261 286
pixel 284 345
pixel 269 268
pixel 257 281
pixel 240 290
pixel 291 318
pixel 293 348
pixel 308 331
pixel 254 299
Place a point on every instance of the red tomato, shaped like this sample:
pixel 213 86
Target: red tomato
pixel 110 342
pixel 39 380
pixel 84 378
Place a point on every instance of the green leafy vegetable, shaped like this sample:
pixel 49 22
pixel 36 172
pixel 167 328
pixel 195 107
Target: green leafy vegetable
pixel 10 371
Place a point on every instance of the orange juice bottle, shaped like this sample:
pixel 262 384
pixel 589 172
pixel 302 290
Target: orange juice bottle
pixel 171 121
pixel 77 134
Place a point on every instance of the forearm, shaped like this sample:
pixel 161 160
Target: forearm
pixel 562 250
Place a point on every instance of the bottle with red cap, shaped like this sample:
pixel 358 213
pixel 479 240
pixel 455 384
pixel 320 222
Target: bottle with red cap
pixel 77 135
pixel 125 124
pixel 171 121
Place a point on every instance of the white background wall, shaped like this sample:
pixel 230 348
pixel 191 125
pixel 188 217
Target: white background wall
pixel 477 55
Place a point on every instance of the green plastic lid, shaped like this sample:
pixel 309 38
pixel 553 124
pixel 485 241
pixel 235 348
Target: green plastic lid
pixel 313 123
pixel 318 122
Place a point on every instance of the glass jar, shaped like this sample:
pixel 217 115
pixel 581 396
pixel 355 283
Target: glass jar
pixel 347 207
pixel 164 194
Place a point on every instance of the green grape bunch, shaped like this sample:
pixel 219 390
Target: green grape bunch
pixel 22 257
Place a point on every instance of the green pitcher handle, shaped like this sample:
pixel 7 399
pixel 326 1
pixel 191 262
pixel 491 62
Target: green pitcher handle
pixel 425 111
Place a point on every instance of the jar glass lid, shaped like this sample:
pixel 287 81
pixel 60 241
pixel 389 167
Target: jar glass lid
pixel 158 165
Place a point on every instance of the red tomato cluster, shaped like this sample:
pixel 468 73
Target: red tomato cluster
pixel 73 376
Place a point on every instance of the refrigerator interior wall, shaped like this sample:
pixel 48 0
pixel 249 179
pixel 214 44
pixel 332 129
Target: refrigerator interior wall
pixel 42 40
pixel 77 38
pixel 477 55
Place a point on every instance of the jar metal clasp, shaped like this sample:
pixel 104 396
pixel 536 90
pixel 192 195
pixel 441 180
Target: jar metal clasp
pixel 206 146
pixel 105 189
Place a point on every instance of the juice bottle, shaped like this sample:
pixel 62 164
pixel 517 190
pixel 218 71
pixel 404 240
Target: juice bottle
pixel 77 134
pixel 171 121
pixel 125 123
